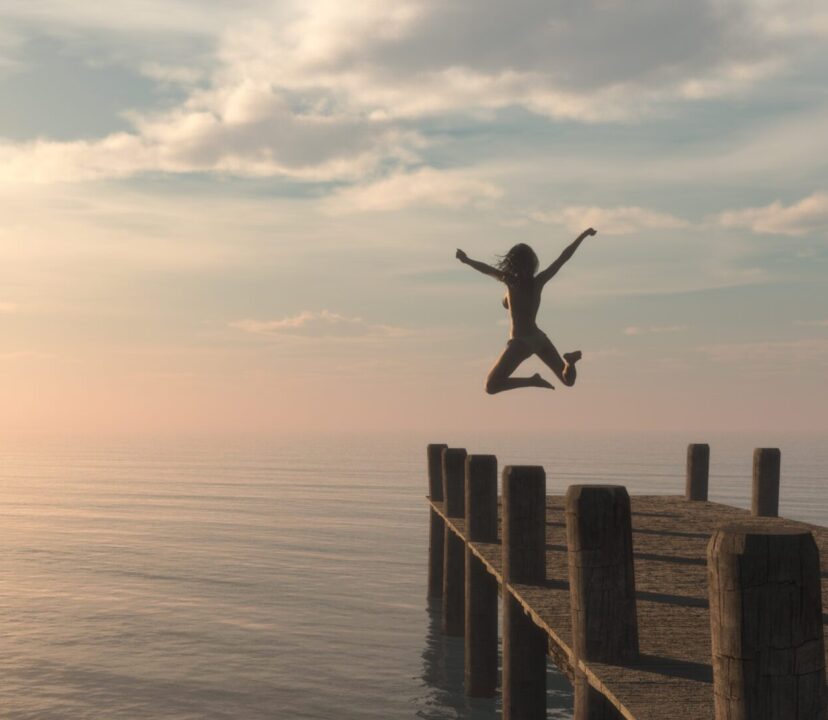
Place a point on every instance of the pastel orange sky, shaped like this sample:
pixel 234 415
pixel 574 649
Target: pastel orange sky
pixel 216 220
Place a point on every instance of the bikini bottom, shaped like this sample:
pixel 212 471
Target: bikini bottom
pixel 535 341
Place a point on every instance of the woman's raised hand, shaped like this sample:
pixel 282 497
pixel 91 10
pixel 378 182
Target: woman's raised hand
pixel 589 232
pixel 460 255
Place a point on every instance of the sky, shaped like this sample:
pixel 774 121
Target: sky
pixel 241 218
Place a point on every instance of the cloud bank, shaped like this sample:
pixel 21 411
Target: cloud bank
pixel 326 90
pixel 806 216
pixel 318 325
pixel 611 221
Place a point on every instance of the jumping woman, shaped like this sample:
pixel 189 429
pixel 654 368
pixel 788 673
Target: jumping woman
pixel 516 270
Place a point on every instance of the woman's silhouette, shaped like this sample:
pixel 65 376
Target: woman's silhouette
pixel 516 270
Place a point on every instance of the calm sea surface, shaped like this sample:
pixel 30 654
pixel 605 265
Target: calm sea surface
pixel 278 579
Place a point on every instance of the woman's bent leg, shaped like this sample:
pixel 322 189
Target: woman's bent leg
pixel 564 369
pixel 500 379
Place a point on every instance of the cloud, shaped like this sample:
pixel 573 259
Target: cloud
pixel 609 221
pixel 806 216
pixel 635 330
pixel 325 90
pixel 795 18
pixel 414 59
pixel 161 16
pixel 8 308
pixel 425 187
pixel 248 134
pixel 318 325
pixel 604 354
pixel 783 356
pixel 167 74
pixel 812 323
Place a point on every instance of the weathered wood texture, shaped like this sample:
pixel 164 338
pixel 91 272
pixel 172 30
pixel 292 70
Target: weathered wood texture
pixel 481 498
pixel 454 585
pixel 698 471
pixel 434 453
pixel 601 586
pixel 436 528
pixel 766 624
pixel 454 481
pixel 524 560
pixel 766 463
pixel 673 677
pixel 590 704
pixel 601 573
pixel 524 524
pixel 480 656
pixel 436 554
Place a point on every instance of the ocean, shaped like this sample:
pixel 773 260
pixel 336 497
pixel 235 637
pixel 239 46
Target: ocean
pixel 280 578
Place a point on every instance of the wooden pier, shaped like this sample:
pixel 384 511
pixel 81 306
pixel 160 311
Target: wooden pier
pixel 654 607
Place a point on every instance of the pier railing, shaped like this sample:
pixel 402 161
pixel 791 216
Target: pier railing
pixel 652 606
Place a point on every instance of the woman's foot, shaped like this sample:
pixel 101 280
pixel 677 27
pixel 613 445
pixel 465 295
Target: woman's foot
pixel 541 382
pixel 569 370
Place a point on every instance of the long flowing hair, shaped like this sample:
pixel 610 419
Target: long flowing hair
pixel 520 263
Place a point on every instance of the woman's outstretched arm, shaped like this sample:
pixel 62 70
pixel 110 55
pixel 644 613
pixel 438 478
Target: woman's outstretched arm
pixel 479 266
pixel 549 273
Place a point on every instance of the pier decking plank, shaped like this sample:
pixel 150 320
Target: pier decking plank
pixel 673 676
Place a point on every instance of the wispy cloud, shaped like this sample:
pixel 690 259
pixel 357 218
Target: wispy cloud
pixel 610 220
pixel 319 325
pixel 238 138
pixel 7 308
pixel 168 74
pixel 604 354
pixel 425 187
pixel 635 330
pixel 808 215
pixel 780 355
pixel 812 323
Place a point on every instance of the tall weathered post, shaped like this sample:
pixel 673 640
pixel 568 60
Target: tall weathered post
pixel 766 464
pixel 698 470
pixel 454 565
pixel 601 586
pixel 481 586
pixel 437 528
pixel 766 623
pixel 524 562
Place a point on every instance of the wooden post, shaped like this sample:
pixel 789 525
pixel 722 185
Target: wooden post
pixel 524 562
pixel 481 586
pixel 454 481
pixel 766 623
pixel 435 471
pixel 454 565
pixel 437 528
pixel 698 469
pixel 766 462
pixel 601 586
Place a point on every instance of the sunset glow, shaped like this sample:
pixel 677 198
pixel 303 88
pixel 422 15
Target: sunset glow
pixel 242 218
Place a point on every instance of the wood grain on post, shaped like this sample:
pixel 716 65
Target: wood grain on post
pixel 481 586
pixel 524 562
pixel 436 530
pixel 454 481
pixel 766 623
pixel 601 586
pixel 454 564
pixel 766 464
pixel 698 470
pixel 436 555
pixel 435 471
